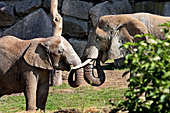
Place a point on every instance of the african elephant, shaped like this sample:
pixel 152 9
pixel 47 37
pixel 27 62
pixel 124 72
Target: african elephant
pixel 25 66
pixel 110 33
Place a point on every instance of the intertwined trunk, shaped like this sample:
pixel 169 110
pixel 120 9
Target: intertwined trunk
pixel 89 74
pixel 92 52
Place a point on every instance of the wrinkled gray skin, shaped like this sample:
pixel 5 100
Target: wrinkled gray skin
pixel 110 33
pixel 25 67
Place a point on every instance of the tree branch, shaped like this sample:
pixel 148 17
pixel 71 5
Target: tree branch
pixel 56 19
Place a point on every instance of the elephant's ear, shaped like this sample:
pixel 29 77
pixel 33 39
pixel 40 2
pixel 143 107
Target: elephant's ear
pixel 133 27
pixel 129 28
pixel 36 55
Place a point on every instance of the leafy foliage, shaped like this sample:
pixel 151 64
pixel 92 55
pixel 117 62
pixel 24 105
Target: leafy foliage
pixel 149 62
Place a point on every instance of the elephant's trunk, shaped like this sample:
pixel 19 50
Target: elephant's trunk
pixel 89 74
pixel 78 79
pixel 92 52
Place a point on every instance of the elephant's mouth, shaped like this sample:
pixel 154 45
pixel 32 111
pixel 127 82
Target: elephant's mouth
pixel 119 62
pixel 103 56
pixel 63 68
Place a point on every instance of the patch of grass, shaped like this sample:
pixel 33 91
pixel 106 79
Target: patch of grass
pixel 109 61
pixel 63 86
pixel 83 97
pixel 65 97
pixel 12 103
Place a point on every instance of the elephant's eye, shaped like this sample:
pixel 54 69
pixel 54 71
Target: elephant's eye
pixel 98 39
pixel 60 51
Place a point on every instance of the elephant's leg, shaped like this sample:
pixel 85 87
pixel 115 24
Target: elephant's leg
pixel 30 91
pixel 42 93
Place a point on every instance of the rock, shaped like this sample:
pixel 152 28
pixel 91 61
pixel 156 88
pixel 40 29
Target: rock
pixel 1 32
pixel 27 6
pixel 160 8
pixel 166 9
pixel 36 24
pixel 109 8
pixel 10 2
pixel 78 45
pixel 74 27
pixel 47 4
pixel 143 6
pixel 76 8
pixel 7 17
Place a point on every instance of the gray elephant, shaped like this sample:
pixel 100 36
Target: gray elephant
pixel 110 33
pixel 25 66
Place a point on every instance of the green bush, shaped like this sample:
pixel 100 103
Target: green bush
pixel 149 61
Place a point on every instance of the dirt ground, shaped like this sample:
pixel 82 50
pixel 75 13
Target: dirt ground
pixel 113 78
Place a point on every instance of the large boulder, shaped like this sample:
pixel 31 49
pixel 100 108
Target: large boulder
pixel 78 45
pixel 109 8
pixel 146 6
pixel 161 8
pixel 7 17
pixel 27 6
pixel 1 32
pixel 75 27
pixel 36 24
pixel 76 8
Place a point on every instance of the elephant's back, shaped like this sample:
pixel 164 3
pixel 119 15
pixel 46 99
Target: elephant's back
pixel 11 49
pixel 9 38
pixel 13 44
pixel 152 21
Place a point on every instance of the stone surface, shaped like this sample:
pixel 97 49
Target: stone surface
pixel 74 27
pixel 7 17
pixel 27 6
pixel 166 9
pixel 143 6
pixel 109 8
pixel 46 4
pixel 1 32
pixel 74 12
pixel 34 25
pixel 75 8
pixel 161 8
pixel 78 45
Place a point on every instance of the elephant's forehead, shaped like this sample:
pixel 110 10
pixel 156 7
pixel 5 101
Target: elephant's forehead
pixel 100 31
pixel 111 19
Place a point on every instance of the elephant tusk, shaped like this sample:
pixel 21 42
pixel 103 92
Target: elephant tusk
pixel 83 64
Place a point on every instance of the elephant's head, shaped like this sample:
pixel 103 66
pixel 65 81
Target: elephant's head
pixel 109 34
pixel 54 53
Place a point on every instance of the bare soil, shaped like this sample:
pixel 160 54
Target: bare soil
pixel 113 79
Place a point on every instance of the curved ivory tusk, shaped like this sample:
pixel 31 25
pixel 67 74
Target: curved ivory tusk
pixel 83 64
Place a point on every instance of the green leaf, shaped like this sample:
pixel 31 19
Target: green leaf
pixel 138 36
pixel 126 46
pixel 146 66
pixel 163 98
pixel 153 65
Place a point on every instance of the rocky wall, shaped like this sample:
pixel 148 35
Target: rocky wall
pixel 29 19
